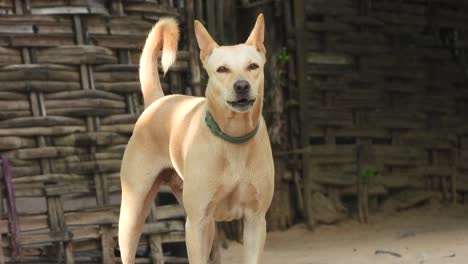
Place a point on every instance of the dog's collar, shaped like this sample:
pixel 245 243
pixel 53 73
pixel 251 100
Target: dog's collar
pixel 213 126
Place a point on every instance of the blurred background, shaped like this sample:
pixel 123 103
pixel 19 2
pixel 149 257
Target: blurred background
pixel 366 103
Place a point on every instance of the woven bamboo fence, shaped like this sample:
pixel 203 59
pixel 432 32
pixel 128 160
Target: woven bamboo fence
pixel 69 96
pixel 384 103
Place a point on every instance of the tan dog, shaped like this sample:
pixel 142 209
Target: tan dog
pixel 186 142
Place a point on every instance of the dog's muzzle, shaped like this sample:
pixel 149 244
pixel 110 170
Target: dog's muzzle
pixel 243 101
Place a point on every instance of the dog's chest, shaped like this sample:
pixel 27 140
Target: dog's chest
pixel 237 192
pixel 233 203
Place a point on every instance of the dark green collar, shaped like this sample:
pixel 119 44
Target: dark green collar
pixel 213 126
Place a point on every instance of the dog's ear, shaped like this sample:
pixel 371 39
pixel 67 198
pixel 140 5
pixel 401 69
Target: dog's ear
pixel 205 41
pixel 257 35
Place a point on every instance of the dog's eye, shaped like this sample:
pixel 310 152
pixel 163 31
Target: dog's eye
pixel 222 69
pixel 253 66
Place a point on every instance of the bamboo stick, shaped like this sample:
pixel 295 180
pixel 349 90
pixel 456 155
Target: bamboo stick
pixel 299 7
pixel 107 245
pixel 193 50
pixel 40 121
pixel 41 131
pixel 11 142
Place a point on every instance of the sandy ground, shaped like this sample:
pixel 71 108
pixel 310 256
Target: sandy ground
pixel 420 236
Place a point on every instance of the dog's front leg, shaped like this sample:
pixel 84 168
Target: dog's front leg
pixel 199 235
pixel 254 237
pixel 199 203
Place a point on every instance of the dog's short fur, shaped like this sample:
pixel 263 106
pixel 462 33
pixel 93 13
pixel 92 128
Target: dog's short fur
pixel 215 180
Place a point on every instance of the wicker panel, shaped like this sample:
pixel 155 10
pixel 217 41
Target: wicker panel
pixel 68 101
pixel 390 75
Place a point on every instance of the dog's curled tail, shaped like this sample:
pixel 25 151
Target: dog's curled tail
pixel 164 35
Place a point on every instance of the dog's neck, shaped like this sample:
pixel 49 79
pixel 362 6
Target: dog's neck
pixel 234 123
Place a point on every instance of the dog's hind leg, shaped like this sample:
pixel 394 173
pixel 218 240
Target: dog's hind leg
pixel 140 183
pixel 175 182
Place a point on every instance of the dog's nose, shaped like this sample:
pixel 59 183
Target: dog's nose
pixel 241 86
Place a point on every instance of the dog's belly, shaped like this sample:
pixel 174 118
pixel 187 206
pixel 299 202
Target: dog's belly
pixel 233 205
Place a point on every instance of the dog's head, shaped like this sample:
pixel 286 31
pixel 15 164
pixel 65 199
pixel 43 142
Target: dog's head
pixel 235 72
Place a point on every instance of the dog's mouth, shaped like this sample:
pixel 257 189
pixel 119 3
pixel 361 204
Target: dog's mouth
pixel 241 103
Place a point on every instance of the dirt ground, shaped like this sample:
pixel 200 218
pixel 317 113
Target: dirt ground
pixel 419 236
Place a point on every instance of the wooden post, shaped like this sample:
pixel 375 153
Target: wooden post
pixel 280 214
pixel 2 258
pixel 156 254
pixel 299 15
pixel 175 83
pixel 198 9
pixel 53 202
pixel 2 255
pixel 293 112
pixel 366 170
pixel 2 210
pixel 220 21
pixel 211 18
pixel 193 49
pixel 107 245
pixel 362 188
pixel 454 175
pixel 100 181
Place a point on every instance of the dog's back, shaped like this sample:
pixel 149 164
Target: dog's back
pixel 163 118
